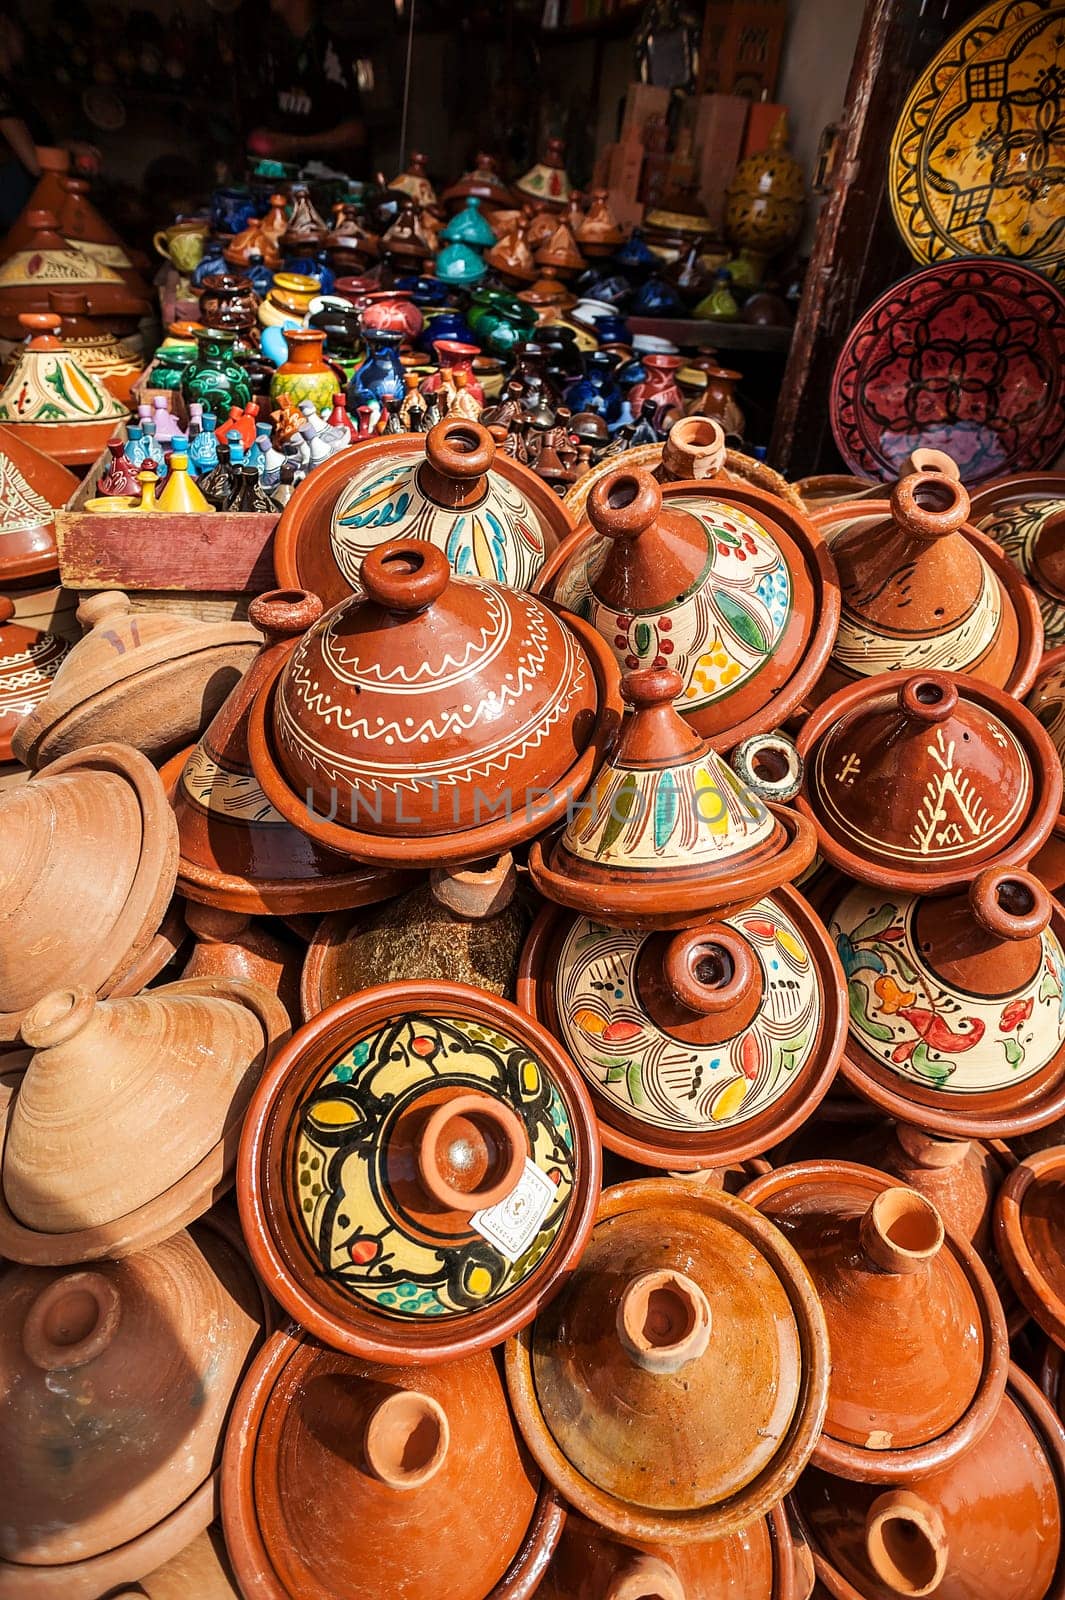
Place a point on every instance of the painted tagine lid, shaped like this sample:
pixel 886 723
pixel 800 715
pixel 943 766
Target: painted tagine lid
pixel 678 1285
pixel 700 1048
pixel 150 1349
pixel 957 1017
pixel 437 719
pixel 33 488
pixel 923 591
pixel 492 517
pixel 346 1479
pixel 548 180
pixel 667 833
pixel 52 402
pixel 914 784
pixel 965 1529
pixel 237 851
pixel 722 582
pixel 418 1171
pixel 1030 1236
pixel 29 662
pixel 49 261
pixel 1025 516
pixel 919 1343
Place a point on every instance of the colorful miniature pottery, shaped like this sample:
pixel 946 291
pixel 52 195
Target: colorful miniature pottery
pixel 1030 1236
pixel 289 300
pixel 599 232
pixel 418 1172
pixel 468 226
pixel 919 1344
pixel 491 516
pixel 511 257
pixel 49 262
pixel 1026 516
pixel 617 1387
pixel 409 243
pixel 381 375
pixel 765 200
pixel 728 585
pixel 482 180
pixel 717 399
pixel 216 380
pixel 28 663
pixel 179 494
pixel 52 403
pixel 460 264
pixel 237 852
pixel 966 1530
pixel 392 311
pixel 967 357
pixel 305 375
pixel 414 180
pixel 547 180
pixel 306 229
pixel 182 245
pixel 660 385
pixel 32 488
pixel 228 304
pixel 345 1479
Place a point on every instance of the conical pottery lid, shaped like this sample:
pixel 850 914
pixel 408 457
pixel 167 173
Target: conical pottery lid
pixel 32 488
pixel 919 1343
pixel 560 251
pixel 917 784
pixel 415 180
pixel 418 1171
pixel 146 678
pixel 700 1048
pixel 82 226
pixel 1025 516
pixel 677 1285
pixel 956 1013
pixel 726 584
pixel 49 389
pixel 547 180
pixel 29 662
pixel 668 832
pixel 237 851
pixel 492 517
pixel 1030 1236
pixel 482 180
pixel 125 1372
pixel 398 714
pixel 351 1480
pixel 468 226
pixel 48 262
pixel 965 1529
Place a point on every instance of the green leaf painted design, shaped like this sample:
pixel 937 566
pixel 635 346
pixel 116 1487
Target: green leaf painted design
pixel 666 807
pixel 1049 988
pixel 921 1061
pixel 874 925
pixel 614 1074
pixel 1014 1051
pixel 743 624
pixel 620 812
pixel 634 1083
pixel 725 536
pixel 859 999
pixel 642 638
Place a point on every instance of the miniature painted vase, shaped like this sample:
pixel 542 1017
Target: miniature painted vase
pixel 216 381
pixel 660 385
pixel 381 374
pixel 120 478
pixel 596 390
pixel 228 303
pixel 306 375
pixel 717 400
pixel 231 209
pixel 766 198
pixel 460 264
pixel 502 325
pixel 445 324
pixel 454 358
pixel 391 311
pixel 171 364
pixel 1025 515
pixel 720 304
pixel 182 244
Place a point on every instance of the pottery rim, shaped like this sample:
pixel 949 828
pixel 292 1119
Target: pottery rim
pixel 1043 1299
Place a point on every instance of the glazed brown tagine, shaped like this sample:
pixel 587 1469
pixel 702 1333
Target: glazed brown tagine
pixel 667 833
pixel 1030 1235
pixel 492 517
pixel 33 488
pixel 29 662
pixel 437 719
pixel 237 852
pixel 956 1009
pixel 1046 701
pixel 1025 516
pixel 418 1172
pixel 347 1481
pixel 149 1349
pixel 722 583
pixel 618 1386
pixel 919 1343
pixel 915 784
pixel 49 262
pixel 170 1070
pixel 700 1048
pixel 989 1523
pixel 924 591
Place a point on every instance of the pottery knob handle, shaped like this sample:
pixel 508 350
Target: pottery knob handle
pixel 109 605
pixel 1010 903
pixel 694 448
pixel 405 575
pixel 901 1231
pixel 472 1151
pixel 651 686
pixel 931 1150
pixel 458 448
pixel 924 459
pixel 928 505
pixel 406 1439
pixel 7 609
pixel 39 321
pixel 624 503
pixel 663 1320
pixel 212 925
pixel 711 970
pixel 57 1017
pixel 646 1577
pixel 284 613
pixel 40 218
pixel 929 697
pixel 769 764
pixel 906 1543
pixel 71 1321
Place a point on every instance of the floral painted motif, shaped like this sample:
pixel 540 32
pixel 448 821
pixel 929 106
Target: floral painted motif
pixel 50 386
pixel 21 507
pixel 1016 530
pixel 1047 702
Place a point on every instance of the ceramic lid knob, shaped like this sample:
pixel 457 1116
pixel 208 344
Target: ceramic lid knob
pixel 1010 904
pixel 71 1321
pixel 901 1232
pixel 927 505
pixel 906 1543
pixel 406 575
pixel 646 1578
pixel 472 1152
pixel 407 1439
pixel 929 1149
pixel 924 459
pixel 929 698
pixel 624 504
pixel 284 613
pixel 663 1321
pixel 655 733
pixel 703 985
pixel 694 448
pixel 108 605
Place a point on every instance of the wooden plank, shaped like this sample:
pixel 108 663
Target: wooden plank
pixel 697 333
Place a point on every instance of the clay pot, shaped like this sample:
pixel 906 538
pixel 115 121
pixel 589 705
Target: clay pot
pixel 229 303
pixel 94 346
pixel 440 1229
pixel 727 585
pixel 51 402
pixel 599 233
pixel 347 1479
pixel 765 199
pixel 142 678
pixel 29 662
pixel 229 945
pixel 392 311
pixel 919 1343
pixel 1024 515
pixel 48 261
pixel 511 256
pixel 547 181
pixel 660 385
pixel 305 374
pixel 717 400
pixel 1030 1236
pixel 199 1572
pixel 914 786
pixel 32 488
pixel 678 1284
pixel 482 180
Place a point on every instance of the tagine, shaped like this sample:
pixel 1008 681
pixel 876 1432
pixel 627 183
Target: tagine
pixel 29 662
pixel 33 488
pixel 1030 1235
pixel 1025 516
pixel 54 404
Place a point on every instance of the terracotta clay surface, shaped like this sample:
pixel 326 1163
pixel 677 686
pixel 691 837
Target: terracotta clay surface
pixel 199 1572
pixel 1030 1235
pixel 229 945
pixel 1025 515
pixel 32 488
pixel 29 662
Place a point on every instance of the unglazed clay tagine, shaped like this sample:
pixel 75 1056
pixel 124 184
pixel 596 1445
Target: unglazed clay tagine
pixel 919 1343
pixel 700 1048
pixel 989 1523
pixel 1025 515
pixel 667 833
pixel 727 585
pixel 418 1171
pixel 345 1479
pixel 1030 1235
pixel 229 944
pixel 915 784
pixel 921 590
pixel 237 852
pixel 199 1572
pixel 32 488
pixel 674 1389
pixel 29 662
pixel 52 402
pixel 437 719
pixel 492 517
pixel 957 1018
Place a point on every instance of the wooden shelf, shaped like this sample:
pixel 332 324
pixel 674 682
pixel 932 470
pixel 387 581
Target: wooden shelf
pixel 693 332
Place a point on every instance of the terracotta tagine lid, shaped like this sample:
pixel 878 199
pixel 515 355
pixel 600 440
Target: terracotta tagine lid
pixel 150 1349
pixel 82 225
pixel 914 784
pixel 922 590
pixel 199 1572
pixel 678 1284
pixel 492 517
pixel 144 678
pixel 418 1172
pixel 171 1070
pixel 52 402
pixel 237 851
pixel 667 833
pixel 1025 517
pixel 33 488
pixel 29 662
pixel 482 180
pixel 956 1004
pixel 726 584
pixel 88 858
pixel 346 1479
pixel 1030 1234
pixel 396 710
pixel 599 233
pixel 49 261
pixel 966 1529
pixel 1046 698
pixel 511 255
pixel 919 1343
pixel 548 181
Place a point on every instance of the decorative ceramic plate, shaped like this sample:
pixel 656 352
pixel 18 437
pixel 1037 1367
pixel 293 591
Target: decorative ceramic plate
pixel 978 156
pixel 966 357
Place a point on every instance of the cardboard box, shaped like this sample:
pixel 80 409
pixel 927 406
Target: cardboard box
pixel 642 100
pixel 720 126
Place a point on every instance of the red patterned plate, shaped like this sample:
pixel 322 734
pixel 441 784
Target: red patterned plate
pixel 966 357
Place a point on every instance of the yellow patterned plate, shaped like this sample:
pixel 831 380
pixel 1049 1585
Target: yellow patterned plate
pixel 977 162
